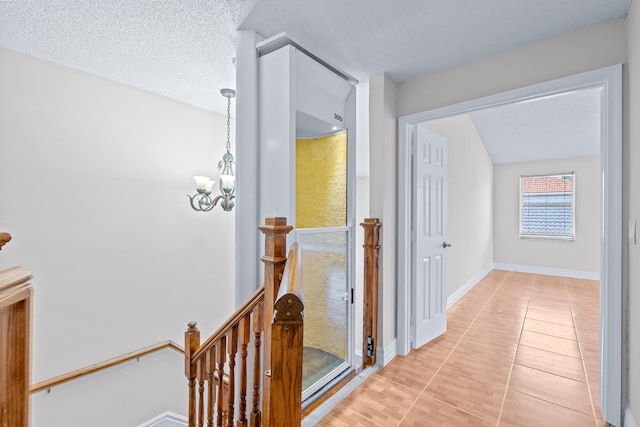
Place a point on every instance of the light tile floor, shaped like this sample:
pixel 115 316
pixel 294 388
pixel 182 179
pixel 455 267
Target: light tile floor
pixel 520 350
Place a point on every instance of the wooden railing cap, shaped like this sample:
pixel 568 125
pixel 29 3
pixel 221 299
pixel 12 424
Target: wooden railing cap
pixel 275 224
pixel 4 238
pixel 289 307
pixel 371 222
pixel 14 276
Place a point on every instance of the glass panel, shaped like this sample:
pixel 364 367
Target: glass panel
pixel 326 297
pixel 321 181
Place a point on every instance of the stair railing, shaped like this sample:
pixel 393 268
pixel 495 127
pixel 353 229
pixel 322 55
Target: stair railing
pixel 274 315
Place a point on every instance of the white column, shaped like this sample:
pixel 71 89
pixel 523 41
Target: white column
pixel 247 221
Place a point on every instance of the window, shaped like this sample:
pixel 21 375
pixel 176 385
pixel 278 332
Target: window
pixel 547 206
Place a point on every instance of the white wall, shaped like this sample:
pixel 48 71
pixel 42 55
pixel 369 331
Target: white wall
pixel 382 198
pixel 588 49
pixel 470 201
pixel 93 188
pixel 362 199
pixel 126 395
pixel 631 188
pixel 581 255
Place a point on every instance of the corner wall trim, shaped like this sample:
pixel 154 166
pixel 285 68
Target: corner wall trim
pixel 628 418
pixel 548 271
pixel 166 419
pixel 386 353
pixel 453 298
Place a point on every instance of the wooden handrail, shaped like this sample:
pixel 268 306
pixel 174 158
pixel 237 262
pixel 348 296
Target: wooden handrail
pixel 232 321
pixel 291 282
pixel 60 379
pixel 4 238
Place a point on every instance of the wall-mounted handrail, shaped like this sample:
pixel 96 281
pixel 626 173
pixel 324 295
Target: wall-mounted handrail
pixel 73 375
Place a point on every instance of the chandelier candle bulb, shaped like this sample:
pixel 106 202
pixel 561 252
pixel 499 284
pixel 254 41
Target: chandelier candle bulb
pixel 202 182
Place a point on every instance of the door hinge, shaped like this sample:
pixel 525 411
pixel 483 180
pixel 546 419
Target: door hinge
pixel 370 347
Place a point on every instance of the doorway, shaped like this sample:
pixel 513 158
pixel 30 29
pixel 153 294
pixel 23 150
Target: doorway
pixel 610 81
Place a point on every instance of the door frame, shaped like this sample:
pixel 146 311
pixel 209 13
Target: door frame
pixel 610 80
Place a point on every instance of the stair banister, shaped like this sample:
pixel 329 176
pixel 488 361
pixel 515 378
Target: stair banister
pixel 274 316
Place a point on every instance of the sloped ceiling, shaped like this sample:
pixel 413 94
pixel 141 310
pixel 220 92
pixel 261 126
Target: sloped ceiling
pixel 560 126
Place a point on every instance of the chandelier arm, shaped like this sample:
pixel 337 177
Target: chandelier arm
pixel 198 198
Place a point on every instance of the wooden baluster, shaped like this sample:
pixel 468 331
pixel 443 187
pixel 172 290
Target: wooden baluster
pixel 245 337
pixel 191 344
pixel 221 356
pixel 201 378
pixel 275 244
pixel 370 290
pixel 258 326
pixel 232 347
pixel 211 394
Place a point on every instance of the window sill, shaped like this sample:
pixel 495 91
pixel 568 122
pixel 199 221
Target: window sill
pixel 541 237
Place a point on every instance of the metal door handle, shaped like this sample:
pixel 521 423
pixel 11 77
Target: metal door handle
pixel 446 245
pixel 345 297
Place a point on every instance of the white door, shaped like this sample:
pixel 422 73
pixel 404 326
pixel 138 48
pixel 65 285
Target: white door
pixel 430 232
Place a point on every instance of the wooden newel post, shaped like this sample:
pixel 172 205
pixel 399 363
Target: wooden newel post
pixel 285 404
pixel 275 233
pixel 191 344
pixel 370 298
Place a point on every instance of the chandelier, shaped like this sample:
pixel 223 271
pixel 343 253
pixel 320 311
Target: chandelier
pixel 202 200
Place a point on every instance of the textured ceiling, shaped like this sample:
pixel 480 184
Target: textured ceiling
pixel 184 49
pixel 179 49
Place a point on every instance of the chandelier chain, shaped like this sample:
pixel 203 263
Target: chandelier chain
pixel 228 124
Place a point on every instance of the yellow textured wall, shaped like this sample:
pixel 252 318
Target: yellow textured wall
pixel 321 181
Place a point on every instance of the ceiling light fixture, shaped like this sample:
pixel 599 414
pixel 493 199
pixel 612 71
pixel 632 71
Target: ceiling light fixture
pixel 202 200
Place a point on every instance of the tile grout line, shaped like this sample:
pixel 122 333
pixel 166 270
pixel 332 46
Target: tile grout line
pixel 453 349
pixel 584 368
pixel 513 362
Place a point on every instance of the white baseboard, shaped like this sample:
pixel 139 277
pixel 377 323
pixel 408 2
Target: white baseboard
pixel 548 271
pixel 386 353
pixel 166 419
pixel 453 298
pixel 628 418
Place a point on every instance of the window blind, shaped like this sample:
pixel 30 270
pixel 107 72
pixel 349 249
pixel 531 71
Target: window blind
pixel 547 206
